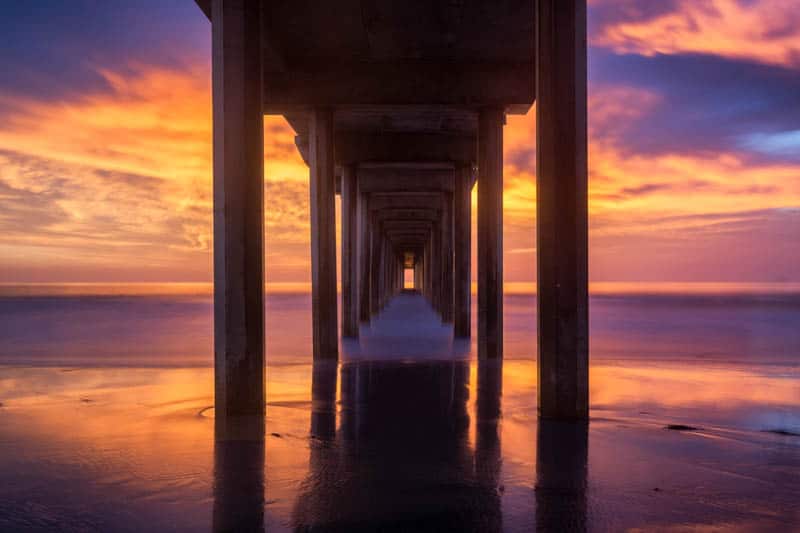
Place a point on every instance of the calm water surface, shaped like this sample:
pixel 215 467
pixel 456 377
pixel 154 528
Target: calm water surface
pixel 106 421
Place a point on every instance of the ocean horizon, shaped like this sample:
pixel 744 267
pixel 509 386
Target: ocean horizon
pixel 143 288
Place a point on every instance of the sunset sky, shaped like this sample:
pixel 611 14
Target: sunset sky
pixel 105 146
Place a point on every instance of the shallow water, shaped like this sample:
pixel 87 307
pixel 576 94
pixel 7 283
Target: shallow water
pixel 106 421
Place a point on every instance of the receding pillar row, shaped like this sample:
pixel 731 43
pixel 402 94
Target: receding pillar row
pixel 238 210
pixel 562 210
pixel 490 233
pixel 323 236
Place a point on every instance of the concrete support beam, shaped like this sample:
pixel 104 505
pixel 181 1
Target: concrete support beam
pixel 323 237
pixel 462 214
pixel 349 257
pixel 508 84
pixel 422 200
pixel 398 180
pixel 238 210
pixel 562 212
pixel 353 147
pixel 490 233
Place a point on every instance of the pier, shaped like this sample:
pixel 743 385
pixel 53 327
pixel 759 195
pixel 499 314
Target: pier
pixel 399 107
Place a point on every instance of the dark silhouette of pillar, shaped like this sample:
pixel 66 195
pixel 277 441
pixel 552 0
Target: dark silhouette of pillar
pixel 238 209
pixel 323 236
pixel 562 210
pixel 490 233
pixel 447 257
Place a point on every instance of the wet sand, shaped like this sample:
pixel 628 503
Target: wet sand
pixel 413 435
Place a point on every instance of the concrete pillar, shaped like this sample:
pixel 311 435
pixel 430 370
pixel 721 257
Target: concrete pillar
pixel 323 236
pixel 384 272
pixel 238 209
pixel 374 268
pixel 462 214
pixel 364 250
pixel 429 266
pixel 387 271
pixel 436 266
pixel 401 274
pixel 490 233
pixel 447 257
pixel 562 210
pixel 349 257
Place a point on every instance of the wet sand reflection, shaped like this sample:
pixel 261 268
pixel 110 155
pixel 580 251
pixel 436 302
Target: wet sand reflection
pixel 400 459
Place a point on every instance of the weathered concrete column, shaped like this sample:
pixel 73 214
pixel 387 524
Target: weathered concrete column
pixel 381 275
pixel 323 236
pixel 447 257
pixel 364 250
pixel 238 209
pixel 490 233
pixel 561 210
pixel 349 257
pixel 429 269
pixel 400 275
pixel 385 274
pixel 425 269
pixel 462 237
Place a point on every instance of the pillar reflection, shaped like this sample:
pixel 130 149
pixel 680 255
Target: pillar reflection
pixel 487 431
pixel 561 468
pixel 239 474
pixel 324 380
pixel 400 459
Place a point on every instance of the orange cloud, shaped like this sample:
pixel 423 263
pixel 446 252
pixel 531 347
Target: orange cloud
pixel 767 31
pixel 119 181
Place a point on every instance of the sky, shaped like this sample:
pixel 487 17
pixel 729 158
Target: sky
pixel 105 146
